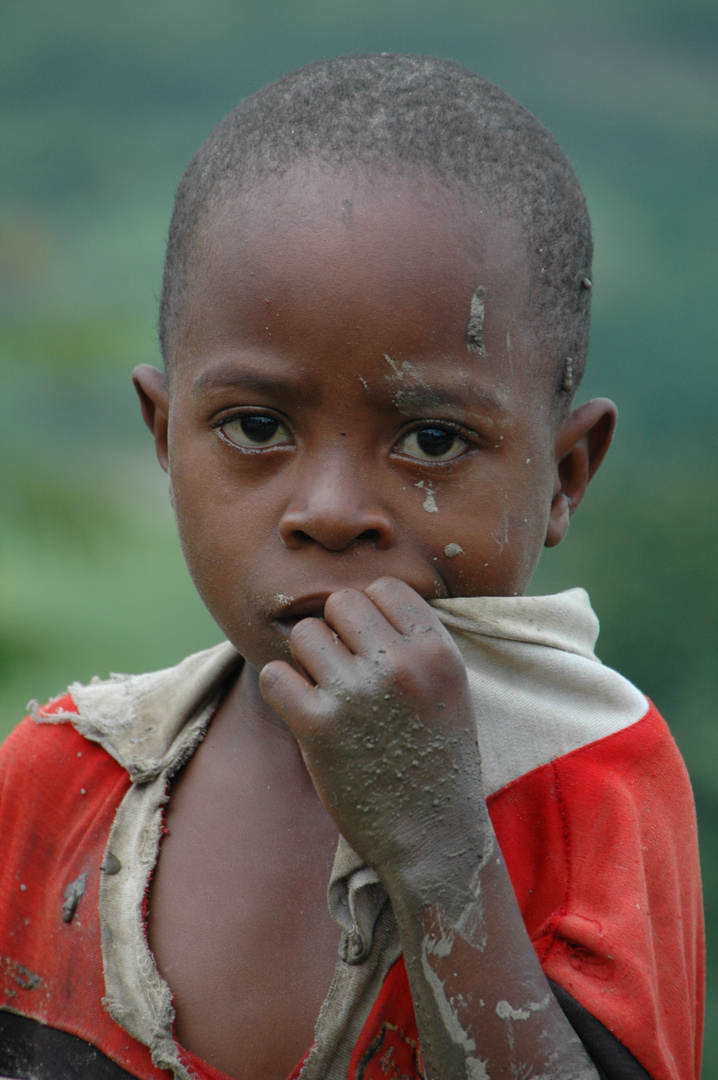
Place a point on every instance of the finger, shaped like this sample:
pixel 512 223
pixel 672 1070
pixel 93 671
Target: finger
pixel 402 606
pixel 320 651
pixel 359 623
pixel 293 698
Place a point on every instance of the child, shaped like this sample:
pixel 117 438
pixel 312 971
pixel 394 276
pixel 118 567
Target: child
pixel 374 321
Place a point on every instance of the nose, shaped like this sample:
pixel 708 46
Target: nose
pixel 337 507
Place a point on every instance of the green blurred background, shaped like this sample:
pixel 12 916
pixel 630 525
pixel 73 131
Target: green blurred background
pixel 103 104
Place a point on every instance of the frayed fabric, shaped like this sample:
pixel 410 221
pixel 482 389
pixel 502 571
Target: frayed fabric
pixel 551 720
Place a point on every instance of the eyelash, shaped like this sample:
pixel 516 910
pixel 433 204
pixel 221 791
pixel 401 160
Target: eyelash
pixel 420 426
pixel 435 426
pixel 247 415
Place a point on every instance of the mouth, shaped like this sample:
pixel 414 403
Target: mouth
pixel 304 607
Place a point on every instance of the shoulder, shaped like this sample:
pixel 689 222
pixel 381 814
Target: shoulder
pixel 55 786
pixel 151 723
pixel 601 846
pixel 45 763
pixel 606 832
pixel 622 804
pixel 637 765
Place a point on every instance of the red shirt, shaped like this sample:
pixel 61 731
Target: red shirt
pixel 600 844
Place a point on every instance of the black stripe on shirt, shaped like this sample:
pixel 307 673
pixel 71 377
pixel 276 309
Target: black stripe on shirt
pixel 33 1051
pixel 612 1059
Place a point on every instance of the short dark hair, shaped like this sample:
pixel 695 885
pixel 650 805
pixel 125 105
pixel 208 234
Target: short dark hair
pixel 405 112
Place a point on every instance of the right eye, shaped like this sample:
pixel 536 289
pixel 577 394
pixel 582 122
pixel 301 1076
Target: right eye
pixel 256 430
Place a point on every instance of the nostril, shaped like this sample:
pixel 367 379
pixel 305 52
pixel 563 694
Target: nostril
pixel 335 526
pixel 299 535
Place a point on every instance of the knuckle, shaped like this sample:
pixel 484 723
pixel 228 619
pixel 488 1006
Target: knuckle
pixel 434 650
pixel 318 716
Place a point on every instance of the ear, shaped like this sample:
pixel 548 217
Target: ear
pixel 581 445
pixel 151 387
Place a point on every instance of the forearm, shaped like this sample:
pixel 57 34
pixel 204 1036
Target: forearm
pixel 483 1006
pixel 388 733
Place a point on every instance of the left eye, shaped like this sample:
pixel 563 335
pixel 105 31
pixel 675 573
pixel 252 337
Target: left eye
pixel 255 430
pixel 432 444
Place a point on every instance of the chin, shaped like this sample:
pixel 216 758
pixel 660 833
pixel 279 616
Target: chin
pixel 272 644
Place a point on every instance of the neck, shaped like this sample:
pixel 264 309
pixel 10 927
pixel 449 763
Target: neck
pixel 244 707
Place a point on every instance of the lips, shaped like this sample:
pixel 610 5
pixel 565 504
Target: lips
pixel 304 607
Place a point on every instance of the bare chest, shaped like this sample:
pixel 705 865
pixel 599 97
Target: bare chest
pixel 237 919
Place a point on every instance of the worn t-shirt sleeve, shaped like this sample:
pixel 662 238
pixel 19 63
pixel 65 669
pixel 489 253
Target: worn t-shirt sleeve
pixel 58 797
pixel 602 851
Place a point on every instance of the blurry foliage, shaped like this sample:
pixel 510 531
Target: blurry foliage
pixel 91 576
pixel 72 344
pixel 644 547
pixel 68 511
pixel 102 106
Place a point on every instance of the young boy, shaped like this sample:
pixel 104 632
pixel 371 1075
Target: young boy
pixel 374 322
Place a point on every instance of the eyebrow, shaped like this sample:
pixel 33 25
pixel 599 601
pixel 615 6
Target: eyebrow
pixel 404 398
pixel 425 397
pixel 217 378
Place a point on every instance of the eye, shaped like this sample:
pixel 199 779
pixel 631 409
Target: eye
pixel 432 443
pixel 256 430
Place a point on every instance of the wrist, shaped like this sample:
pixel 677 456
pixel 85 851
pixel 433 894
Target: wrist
pixel 440 875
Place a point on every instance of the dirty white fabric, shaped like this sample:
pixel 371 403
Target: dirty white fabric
pixel 538 690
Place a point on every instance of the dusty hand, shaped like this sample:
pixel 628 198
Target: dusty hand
pixel 387 733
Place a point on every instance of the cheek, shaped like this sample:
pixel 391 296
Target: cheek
pixel 499 531
pixel 227 539
pixel 526 531
pixel 207 530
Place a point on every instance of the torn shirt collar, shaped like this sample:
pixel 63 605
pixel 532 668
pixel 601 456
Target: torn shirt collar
pixel 537 685
pixel 148 723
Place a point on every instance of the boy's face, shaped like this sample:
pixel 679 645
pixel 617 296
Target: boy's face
pixel 328 424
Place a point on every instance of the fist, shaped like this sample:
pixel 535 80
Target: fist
pixel 382 714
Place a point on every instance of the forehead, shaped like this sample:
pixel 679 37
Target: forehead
pixel 365 260
pixel 404 232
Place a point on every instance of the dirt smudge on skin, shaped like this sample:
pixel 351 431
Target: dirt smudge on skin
pixel 475 1067
pixel 505 1011
pixel 447 1012
pixel 502 536
pixel 430 504
pixel 452 550
pixel 447 923
pixel 402 371
pixel 475 327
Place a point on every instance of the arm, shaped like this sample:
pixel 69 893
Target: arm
pixel 387 731
pixel 483 1005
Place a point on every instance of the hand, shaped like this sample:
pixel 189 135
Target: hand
pixel 387 732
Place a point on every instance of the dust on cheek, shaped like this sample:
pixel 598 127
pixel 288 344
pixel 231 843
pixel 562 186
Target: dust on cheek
pixel 429 504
